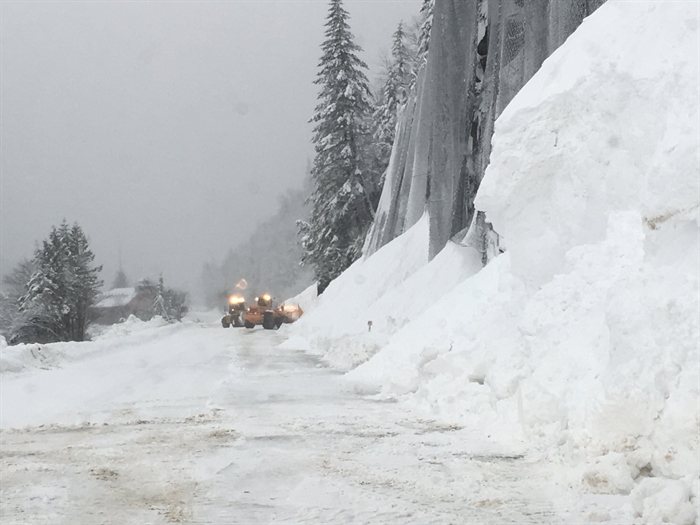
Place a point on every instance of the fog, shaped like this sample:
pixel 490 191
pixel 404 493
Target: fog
pixel 167 130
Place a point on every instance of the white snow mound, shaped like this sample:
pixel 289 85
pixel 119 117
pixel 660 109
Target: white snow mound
pixel 388 290
pixel 584 334
pixel 28 357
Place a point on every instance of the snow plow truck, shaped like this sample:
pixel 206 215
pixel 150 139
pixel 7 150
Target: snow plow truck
pixel 264 313
pixel 236 308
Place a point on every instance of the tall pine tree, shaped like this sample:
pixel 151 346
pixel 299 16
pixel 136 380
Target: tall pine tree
pixel 345 189
pixel 426 11
pixel 120 280
pixel 16 285
pixel 63 288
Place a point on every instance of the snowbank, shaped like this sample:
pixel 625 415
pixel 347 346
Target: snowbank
pixel 307 299
pixel 584 335
pixel 26 357
pixel 388 290
pixel 336 323
pixel 593 185
pixel 18 358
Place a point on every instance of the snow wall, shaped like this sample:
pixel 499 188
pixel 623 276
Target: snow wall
pixel 581 339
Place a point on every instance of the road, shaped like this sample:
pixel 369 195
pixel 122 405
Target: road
pixel 196 424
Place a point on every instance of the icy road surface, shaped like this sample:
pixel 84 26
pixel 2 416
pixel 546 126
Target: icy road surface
pixel 196 424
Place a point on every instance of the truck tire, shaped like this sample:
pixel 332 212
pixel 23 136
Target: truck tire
pixel 248 325
pixel 224 322
pixel 268 320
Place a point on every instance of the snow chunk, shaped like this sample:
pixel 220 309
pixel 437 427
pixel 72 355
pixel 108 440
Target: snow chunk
pixel 664 501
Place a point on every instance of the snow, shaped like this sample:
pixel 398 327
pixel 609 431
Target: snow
pixel 349 340
pixel 559 384
pixel 192 423
pixel 582 339
pixel 51 403
pixel 17 358
pixel 116 297
pixel 664 501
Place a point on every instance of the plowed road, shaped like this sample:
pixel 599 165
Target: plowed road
pixel 197 424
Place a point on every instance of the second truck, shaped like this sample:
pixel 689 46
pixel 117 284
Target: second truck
pixel 264 313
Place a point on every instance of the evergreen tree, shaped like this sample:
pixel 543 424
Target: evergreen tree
pixel 345 189
pixel 424 35
pixel 16 285
pixel 154 299
pixel 63 289
pixel 394 95
pixel 84 282
pixel 160 306
pixel 120 280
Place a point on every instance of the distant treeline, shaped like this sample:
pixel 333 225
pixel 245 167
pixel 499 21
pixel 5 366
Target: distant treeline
pixel 269 261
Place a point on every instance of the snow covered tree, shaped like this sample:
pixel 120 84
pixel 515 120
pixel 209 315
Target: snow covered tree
pixel 168 303
pixel 424 34
pixel 345 188
pixel 160 306
pixel 394 95
pixel 15 286
pixel 84 283
pixel 154 298
pixel 63 288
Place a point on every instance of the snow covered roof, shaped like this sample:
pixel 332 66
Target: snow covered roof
pixel 116 297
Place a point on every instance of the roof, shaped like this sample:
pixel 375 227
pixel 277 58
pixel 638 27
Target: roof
pixel 116 297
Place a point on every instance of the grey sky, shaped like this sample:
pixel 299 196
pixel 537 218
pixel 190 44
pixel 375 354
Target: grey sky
pixel 165 128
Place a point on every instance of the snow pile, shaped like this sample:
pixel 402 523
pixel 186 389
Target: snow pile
pixel 18 358
pixel 26 357
pixel 335 324
pixel 388 290
pixel 584 334
pixel 132 325
pixel 307 299
pixel 116 297
pixel 8 362
pixel 593 185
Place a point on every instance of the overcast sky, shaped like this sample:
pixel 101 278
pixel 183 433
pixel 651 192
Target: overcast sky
pixel 166 129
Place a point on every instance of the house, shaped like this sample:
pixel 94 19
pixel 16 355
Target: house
pixel 114 306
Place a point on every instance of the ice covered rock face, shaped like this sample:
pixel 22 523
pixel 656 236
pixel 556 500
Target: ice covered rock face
pixel 582 338
pixel 443 140
pixel 584 334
